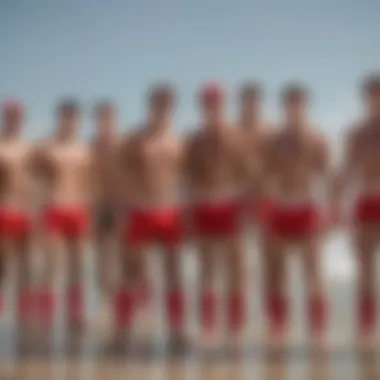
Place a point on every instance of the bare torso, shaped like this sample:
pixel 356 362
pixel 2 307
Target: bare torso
pixel 215 164
pixel 364 158
pixel 152 168
pixel 252 145
pixel 294 162
pixel 15 180
pixel 66 170
pixel 104 160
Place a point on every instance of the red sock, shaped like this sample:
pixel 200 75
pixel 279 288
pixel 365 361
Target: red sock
pixel 236 311
pixel 175 304
pixel 75 304
pixel 46 306
pixel 367 313
pixel 125 304
pixel 318 313
pixel 26 305
pixel 208 311
pixel 277 310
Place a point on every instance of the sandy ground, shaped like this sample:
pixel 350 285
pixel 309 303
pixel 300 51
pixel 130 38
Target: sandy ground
pixel 341 361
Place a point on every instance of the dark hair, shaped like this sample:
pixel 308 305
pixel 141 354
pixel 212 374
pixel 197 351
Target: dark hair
pixel 68 106
pixel 162 91
pixel 294 92
pixel 371 84
pixel 253 89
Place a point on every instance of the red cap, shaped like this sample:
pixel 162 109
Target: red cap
pixel 212 93
pixel 13 109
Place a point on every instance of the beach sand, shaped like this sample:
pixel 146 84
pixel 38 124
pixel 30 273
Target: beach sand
pixel 342 360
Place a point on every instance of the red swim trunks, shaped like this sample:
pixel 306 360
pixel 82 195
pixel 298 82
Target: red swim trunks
pixel 293 221
pixel 163 225
pixel 67 220
pixel 14 223
pixel 367 209
pixel 217 219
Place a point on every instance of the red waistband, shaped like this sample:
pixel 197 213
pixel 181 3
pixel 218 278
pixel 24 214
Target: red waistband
pixel 66 207
pixel 14 211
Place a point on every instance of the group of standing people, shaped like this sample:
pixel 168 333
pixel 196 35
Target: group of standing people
pixel 150 186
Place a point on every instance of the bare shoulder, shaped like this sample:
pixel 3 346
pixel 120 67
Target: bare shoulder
pixel 80 151
pixel 133 137
pixel 127 139
pixel 188 136
pixel 174 144
pixel 123 139
pixel 319 139
pixel 41 147
pixel 192 139
pixel 272 136
pixel 355 130
pixel 353 135
pixel 268 141
pixel 28 148
pixel 119 141
pixel 82 148
pixel 40 153
pixel 236 138
pixel 268 130
pixel 130 142
pixel 94 143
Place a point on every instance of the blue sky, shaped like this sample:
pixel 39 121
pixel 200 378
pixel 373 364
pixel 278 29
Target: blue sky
pixel 115 48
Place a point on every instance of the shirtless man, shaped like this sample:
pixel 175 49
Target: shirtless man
pixel 215 167
pixel 296 159
pixel 254 131
pixel 250 115
pixel 105 147
pixel 361 168
pixel 15 206
pixel 64 170
pixel 151 160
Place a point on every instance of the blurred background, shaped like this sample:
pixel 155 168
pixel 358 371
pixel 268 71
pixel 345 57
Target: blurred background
pixel 95 49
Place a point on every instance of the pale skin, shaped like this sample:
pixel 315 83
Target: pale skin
pixel 253 133
pixel 151 163
pixel 360 166
pixel 293 160
pixel 215 165
pixel 15 193
pixel 253 141
pixel 64 171
pixel 107 196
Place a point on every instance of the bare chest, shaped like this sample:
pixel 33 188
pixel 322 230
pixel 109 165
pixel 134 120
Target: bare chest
pixel 156 155
pixel 67 162
pixel 14 161
pixel 368 147
pixel 105 158
pixel 292 153
pixel 214 153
